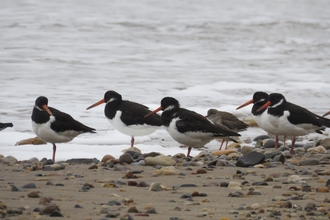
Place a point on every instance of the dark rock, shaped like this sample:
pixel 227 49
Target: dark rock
pixel 260 184
pixel 270 143
pixel 56 214
pixel 310 207
pixel 235 194
pixel 287 204
pixel 125 159
pixel 30 186
pixel 48 209
pixel 77 206
pixel 272 154
pixel 224 184
pixel 250 159
pixel 33 195
pixel 112 215
pixel 309 162
pixel 114 202
pixel 327 184
pixel 261 137
pixel 15 188
pixel 48 162
pixel 188 185
pixel 45 200
pixel 83 161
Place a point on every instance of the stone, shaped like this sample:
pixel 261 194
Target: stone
pixel 33 194
pixel 156 187
pixel 33 141
pixel 261 137
pixel 223 152
pixel 125 159
pixel 56 214
pixel 294 179
pixel 250 159
pixel 82 161
pixel 269 143
pixel 322 190
pixel 45 200
pixel 132 149
pixel 15 188
pixel 325 143
pixel 48 209
pixel 30 185
pixel 317 150
pixel 235 194
pixel 114 203
pixel 8 160
pixel 160 161
pixel 166 171
pixel 246 149
pixel 107 157
pixel 308 162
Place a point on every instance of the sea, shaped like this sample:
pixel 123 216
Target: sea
pixel 207 54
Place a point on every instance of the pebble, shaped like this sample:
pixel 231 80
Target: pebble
pixel 125 159
pixel 33 194
pixel 169 170
pixel 155 187
pixel 48 209
pixel 160 161
pixel 250 159
pixel 15 188
pixel 30 185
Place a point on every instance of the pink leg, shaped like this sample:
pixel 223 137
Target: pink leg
pixel 276 141
pixel 189 149
pixel 132 142
pixel 292 144
pixel 54 151
pixel 284 140
pixel 221 144
pixel 226 144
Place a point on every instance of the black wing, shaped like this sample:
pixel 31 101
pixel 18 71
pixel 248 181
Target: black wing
pixel 64 122
pixel 300 115
pixel 133 114
pixel 194 122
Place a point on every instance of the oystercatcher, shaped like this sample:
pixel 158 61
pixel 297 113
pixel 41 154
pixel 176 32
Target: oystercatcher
pixel 261 117
pixel 54 126
pixel 227 120
pixel 187 127
pixel 128 117
pixel 291 119
pixel 5 125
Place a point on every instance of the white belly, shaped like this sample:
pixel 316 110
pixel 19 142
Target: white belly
pixel 190 139
pixel 264 123
pixel 132 130
pixel 44 132
pixel 286 128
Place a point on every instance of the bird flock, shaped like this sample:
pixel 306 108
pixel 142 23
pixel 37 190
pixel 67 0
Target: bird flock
pixel 271 112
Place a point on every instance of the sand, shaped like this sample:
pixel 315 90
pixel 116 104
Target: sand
pixel 215 204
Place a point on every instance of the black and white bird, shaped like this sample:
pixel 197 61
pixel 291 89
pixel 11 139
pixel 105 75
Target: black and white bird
pixel 261 117
pixel 128 117
pixel 54 126
pixel 227 120
pixel 188 127
pixel 292 120
pixel 5 125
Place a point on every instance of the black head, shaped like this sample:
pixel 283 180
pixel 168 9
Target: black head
pixel 169 103
pixel 112 96
pixel 41 101
pixel 276 99
pixel 260 97
pixel 41 104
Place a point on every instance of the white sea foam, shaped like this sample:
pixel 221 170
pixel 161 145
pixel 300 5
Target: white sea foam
pixel 212 54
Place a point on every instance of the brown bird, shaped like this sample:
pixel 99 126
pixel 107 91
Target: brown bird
pixel 227 120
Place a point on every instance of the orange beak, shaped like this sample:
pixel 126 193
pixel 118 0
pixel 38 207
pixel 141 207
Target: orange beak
pixel 328 113
pixel 45 107
pixel 245 104
pixel 153 112
pixel 96 104
pixel 264 106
